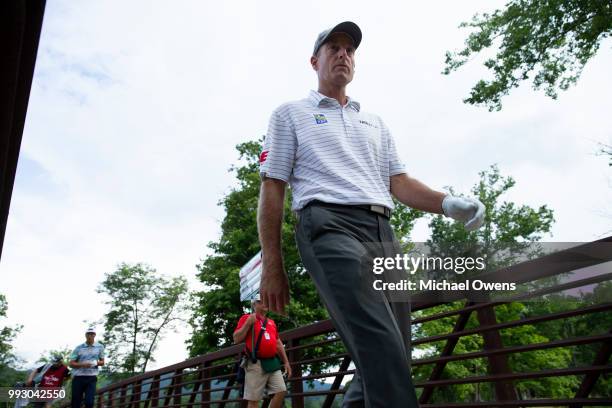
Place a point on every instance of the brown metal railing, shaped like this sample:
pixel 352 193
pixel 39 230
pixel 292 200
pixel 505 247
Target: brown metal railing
pixel 209 379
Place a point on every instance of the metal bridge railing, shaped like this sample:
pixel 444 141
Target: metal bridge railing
pixel 318 357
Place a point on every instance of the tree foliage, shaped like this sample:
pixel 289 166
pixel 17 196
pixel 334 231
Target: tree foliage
pixel 506 225
pixel 48 356
pixel 7 335
pixel 143 304
pixel 511 227
pixel 550 40
pixel 505 222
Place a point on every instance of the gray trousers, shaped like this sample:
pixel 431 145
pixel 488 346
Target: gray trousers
pixel 333 242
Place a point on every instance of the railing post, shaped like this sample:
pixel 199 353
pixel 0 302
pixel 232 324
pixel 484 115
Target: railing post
pixel 122 396
pixel 135 397
pixel 329 399
pixel 498 364
pixel 170 390
pixel 196 386
pixel 589 380
pixel 155 392
pixel 178 387
pixel 296 386
pixel 206 372
pixel 230 383
pixel 449 347
pixel 99 403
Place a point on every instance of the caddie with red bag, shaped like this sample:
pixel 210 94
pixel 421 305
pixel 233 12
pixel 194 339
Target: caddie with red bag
pixel 50 376
pixel 265 357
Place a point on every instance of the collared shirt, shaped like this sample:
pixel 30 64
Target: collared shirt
pixel 267 345
pixel 332 153
pixel 85 352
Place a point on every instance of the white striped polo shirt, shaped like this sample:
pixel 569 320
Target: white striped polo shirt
pixel 332 153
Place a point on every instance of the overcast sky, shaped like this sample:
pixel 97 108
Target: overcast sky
pixel 136 108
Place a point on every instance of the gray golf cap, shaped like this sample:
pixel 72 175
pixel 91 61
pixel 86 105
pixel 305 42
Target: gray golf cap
pixel 348 27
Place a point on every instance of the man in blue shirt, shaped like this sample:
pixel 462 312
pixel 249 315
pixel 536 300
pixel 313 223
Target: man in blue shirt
pixel 85 360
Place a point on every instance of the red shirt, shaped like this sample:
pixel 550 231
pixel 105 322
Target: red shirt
pixel 267 346
pixel 54 376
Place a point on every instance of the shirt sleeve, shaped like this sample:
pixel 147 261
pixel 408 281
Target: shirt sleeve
pixel 241 322
pixel 74 355
pixel 101 354
pixel 279 147
pixel 396 166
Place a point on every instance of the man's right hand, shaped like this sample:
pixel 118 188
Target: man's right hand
pixel 251 319
pixel 274 287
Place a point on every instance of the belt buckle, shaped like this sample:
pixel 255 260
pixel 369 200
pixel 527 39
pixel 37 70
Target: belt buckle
pixel 381 210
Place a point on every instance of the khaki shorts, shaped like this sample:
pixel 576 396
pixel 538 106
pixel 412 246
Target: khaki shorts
pixel 256 380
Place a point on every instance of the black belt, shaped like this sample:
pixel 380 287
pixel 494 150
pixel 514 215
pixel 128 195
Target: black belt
pixel 378 209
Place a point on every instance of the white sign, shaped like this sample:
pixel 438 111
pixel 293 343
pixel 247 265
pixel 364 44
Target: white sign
pixel 250 275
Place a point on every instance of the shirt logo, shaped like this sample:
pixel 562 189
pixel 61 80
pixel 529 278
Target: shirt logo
pixel 363 122
pixel 320 118
pixel 263 156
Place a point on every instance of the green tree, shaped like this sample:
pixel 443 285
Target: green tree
pixel 508 231
pixel 578 326
pixel 8 374
pixel 143 304
pixel 218 306
pixel 48 356
pixel 549 39
pixel 505 222
pixel 7 335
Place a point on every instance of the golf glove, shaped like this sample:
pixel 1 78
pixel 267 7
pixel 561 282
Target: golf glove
pixel 469 211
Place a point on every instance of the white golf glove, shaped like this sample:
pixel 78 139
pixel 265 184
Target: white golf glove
pixel 93 363
pixel 470 211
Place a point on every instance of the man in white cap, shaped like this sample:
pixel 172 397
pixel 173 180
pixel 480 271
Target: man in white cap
pixel 84 361
pixel 343 169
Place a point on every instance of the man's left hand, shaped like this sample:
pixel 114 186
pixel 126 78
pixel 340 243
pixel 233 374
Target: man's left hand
pixel 288 369
pixel 465 209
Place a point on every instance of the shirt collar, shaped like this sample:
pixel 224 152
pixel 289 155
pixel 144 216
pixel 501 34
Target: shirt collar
pixel 318 100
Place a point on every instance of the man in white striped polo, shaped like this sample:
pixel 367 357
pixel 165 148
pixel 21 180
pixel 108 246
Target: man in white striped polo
pixel 343 168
